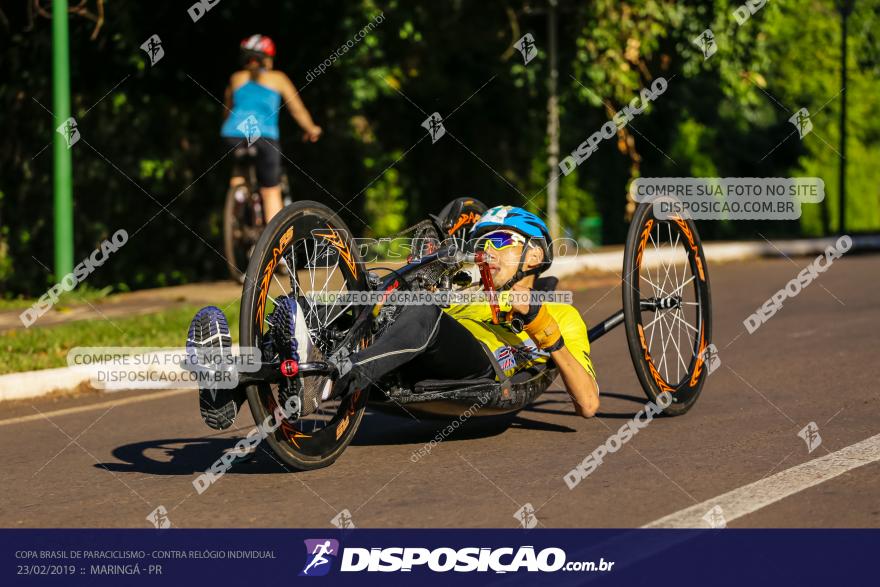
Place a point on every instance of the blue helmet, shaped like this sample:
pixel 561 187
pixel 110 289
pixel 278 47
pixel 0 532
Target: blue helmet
pixel 520 221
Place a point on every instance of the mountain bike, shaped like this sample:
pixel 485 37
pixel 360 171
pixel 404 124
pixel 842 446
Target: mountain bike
pixel 243 218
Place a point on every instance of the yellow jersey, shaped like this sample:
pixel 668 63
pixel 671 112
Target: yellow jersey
pixel 516 351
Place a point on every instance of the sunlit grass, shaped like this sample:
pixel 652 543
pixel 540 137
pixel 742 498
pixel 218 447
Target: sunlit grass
pixel 47 347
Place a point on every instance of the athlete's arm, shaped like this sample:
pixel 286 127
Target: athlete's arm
pixel 298 110
pixel 579 384
pixel 543 329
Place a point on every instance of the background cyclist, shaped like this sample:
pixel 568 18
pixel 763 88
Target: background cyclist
pixel 253 100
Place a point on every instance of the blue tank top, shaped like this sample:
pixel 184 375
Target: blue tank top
pixel 253 99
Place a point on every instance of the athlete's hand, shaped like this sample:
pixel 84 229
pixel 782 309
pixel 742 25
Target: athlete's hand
pixel 312 135
pixel 520 299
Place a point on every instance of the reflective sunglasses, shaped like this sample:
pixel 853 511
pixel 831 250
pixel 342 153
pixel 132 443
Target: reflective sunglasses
pixel 501 239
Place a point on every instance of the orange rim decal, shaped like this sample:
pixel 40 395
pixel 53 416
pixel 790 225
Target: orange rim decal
pixel 689 235
pixel 292 434
pixel 658 379
pixel 265 280
pixel 285 238
pixel 644 240
pixel 698 367
pixel 342 426
pixel 466 219
pixel 354 400
pixel 335 239
pixel 267 275
pixel 287 429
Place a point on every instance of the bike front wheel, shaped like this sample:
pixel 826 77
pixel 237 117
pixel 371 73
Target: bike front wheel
pixel 321 262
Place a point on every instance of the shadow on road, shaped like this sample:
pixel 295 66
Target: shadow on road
pixel 641 400
pixel 561 399
pixel 188 456
pixel 380 428
pixel 168 456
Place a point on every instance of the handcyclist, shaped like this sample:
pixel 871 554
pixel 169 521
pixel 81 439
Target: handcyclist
pixel 430 343
pixel 253 100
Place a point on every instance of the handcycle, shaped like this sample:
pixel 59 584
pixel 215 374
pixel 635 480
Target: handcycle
pixel 666 314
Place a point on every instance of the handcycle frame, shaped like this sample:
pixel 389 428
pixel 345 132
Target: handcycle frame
pixel 494 396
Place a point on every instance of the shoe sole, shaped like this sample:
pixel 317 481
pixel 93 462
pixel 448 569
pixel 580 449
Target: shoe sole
pixel 284 340
pixel 283 324
pixel 209 329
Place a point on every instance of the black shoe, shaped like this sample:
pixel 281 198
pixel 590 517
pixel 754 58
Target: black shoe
pixel 210 330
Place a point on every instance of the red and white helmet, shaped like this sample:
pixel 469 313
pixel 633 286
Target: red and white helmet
pixel 258 45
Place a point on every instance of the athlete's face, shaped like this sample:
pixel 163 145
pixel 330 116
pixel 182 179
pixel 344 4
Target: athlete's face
pixel 503 263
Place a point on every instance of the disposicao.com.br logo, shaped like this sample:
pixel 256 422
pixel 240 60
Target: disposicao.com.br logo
pixel 442 560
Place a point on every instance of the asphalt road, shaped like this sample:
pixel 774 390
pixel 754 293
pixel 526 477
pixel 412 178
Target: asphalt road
pixel 109 461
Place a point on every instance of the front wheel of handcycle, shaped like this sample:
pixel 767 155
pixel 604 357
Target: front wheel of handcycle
pixel 289 314
pixel 667 308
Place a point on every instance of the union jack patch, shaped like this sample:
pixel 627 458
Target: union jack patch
pixel 506 358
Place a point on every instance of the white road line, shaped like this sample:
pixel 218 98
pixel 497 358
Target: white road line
pixel 98 406
pixel 750 498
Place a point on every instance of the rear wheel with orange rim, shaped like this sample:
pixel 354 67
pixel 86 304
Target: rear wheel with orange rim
pixel 667 309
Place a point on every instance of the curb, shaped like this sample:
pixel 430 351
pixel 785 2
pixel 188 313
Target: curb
pixel 152 366
pixel 716 252
pixel 30 384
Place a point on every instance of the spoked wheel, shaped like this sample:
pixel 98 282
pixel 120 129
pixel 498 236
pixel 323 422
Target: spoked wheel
pixel 667 307
pixel 240 230
pixel 317 249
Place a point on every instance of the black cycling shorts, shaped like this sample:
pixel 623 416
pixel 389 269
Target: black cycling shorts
pixel 424 342
pixel 267 163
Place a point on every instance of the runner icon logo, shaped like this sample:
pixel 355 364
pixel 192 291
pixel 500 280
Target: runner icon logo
pixel 153 48
pixel 710 358
pixel 434 125
pixel 70 131
pixel 706 43
pixel 810 434
pixel 250 128
pixel 801 121
pixel 526 46
pixel 526 516
pixel 343 520
pixel 320 554
pixel 714 518
pixel 159 518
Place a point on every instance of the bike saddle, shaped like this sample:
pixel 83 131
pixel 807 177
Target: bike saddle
pixel 245 152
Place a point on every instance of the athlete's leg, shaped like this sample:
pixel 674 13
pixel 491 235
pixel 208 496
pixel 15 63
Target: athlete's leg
pixel 272 203
pixel 269 176
pixel 237 174
pixel 441 347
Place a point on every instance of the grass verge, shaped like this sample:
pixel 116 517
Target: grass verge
pixel 45 348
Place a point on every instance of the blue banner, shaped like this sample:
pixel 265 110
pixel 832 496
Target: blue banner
pixel 437 557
